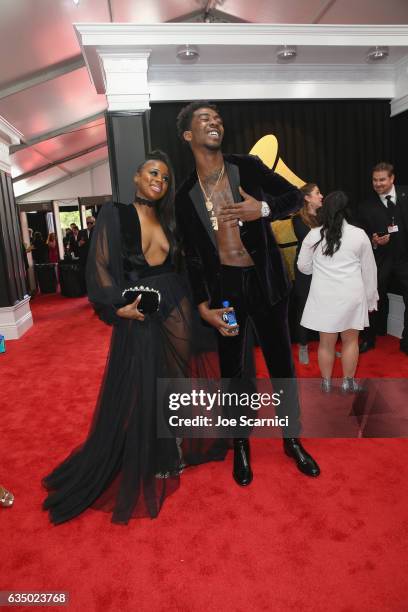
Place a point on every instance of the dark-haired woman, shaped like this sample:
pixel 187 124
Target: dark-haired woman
pixel 124 467
pixel 38 249
pixel 303 222
pixel 343 289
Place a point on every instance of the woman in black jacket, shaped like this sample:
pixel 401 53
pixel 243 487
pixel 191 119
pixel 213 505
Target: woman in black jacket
pixel 303 222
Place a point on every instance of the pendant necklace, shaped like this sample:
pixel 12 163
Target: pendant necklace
pixel 208 198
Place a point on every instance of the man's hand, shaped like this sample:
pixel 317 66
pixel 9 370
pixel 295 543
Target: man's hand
pixel 247 210
pixel 213 316
pixel 130 311
pixel 380 240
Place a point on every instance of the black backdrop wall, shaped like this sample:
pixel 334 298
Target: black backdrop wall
pixel 400 147
pixel 332 143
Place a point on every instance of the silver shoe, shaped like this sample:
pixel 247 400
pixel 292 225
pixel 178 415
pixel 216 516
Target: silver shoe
pixel 325 385
pixel 350 385
pixel 6 498
pixel 303 354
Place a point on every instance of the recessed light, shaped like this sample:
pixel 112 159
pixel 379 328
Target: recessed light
pixel 188 54
pixel 286 53
pixel 376 54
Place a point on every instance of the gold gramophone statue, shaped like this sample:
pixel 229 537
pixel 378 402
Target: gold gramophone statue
pixel 267 149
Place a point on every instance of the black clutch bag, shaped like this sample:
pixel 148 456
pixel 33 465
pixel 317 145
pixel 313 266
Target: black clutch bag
pixel 149 302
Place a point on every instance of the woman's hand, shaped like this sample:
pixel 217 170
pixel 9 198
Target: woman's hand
pixel 213 316
pixel 130 311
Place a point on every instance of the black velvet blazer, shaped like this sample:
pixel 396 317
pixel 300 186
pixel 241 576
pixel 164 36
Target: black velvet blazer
pixel 373 218
pixel 198 237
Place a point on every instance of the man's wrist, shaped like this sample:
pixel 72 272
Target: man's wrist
pixel 203 307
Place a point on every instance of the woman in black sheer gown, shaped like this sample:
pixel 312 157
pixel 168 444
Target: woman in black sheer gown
pixel 123 467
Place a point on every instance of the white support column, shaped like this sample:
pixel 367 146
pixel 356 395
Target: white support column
pixel 25 234
pixel 26 240
pixel 82 212
pixel 58 230
pixel 15 320
pixel 125 79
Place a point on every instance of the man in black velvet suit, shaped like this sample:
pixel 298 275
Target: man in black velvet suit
pixel 223 212
pixel 384 217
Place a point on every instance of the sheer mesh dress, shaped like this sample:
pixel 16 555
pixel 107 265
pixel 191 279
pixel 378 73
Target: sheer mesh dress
pixel 123 467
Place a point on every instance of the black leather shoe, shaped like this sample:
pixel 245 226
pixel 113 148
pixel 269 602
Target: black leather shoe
pixel 404 348
pixel 305 463
pixel 366 346
pixel 242 472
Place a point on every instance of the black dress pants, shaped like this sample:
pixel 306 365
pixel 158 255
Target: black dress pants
pixel 241 287
pixel 389 272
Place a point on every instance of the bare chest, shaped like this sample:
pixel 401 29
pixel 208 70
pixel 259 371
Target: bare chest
pixel 155 246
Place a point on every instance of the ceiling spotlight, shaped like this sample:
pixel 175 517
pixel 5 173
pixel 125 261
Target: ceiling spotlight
pixel 76 2
pixel 286 53
pixel 376 54
pixel 188 54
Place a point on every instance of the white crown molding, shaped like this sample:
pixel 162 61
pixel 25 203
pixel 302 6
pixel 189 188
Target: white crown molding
pixel 277 72
pixel 127 90
pixel 293 90
pixel 130 102
pixel 125 79
pixel 399 105
pixel 400 102
pixel 119 64
pixel 271 81
pixel 124 34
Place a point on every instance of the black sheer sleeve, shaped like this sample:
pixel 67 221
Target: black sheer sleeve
pixel 193 261
pixel 104 270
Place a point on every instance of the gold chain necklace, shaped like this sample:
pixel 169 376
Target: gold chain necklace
pixel 208 198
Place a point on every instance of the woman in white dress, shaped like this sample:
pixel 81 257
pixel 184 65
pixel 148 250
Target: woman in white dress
pixel 343 288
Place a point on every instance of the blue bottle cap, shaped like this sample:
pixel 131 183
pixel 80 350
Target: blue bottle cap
pixel 226 304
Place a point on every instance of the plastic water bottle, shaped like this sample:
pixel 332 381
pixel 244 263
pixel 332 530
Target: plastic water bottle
pixel 2 344
pixel 228 317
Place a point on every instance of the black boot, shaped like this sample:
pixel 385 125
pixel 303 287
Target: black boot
pixel 305 463
pixel 242 472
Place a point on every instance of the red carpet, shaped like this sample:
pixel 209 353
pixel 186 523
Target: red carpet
pixel 286 543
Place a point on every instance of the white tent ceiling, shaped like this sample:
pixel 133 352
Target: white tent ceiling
pixel 46 92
